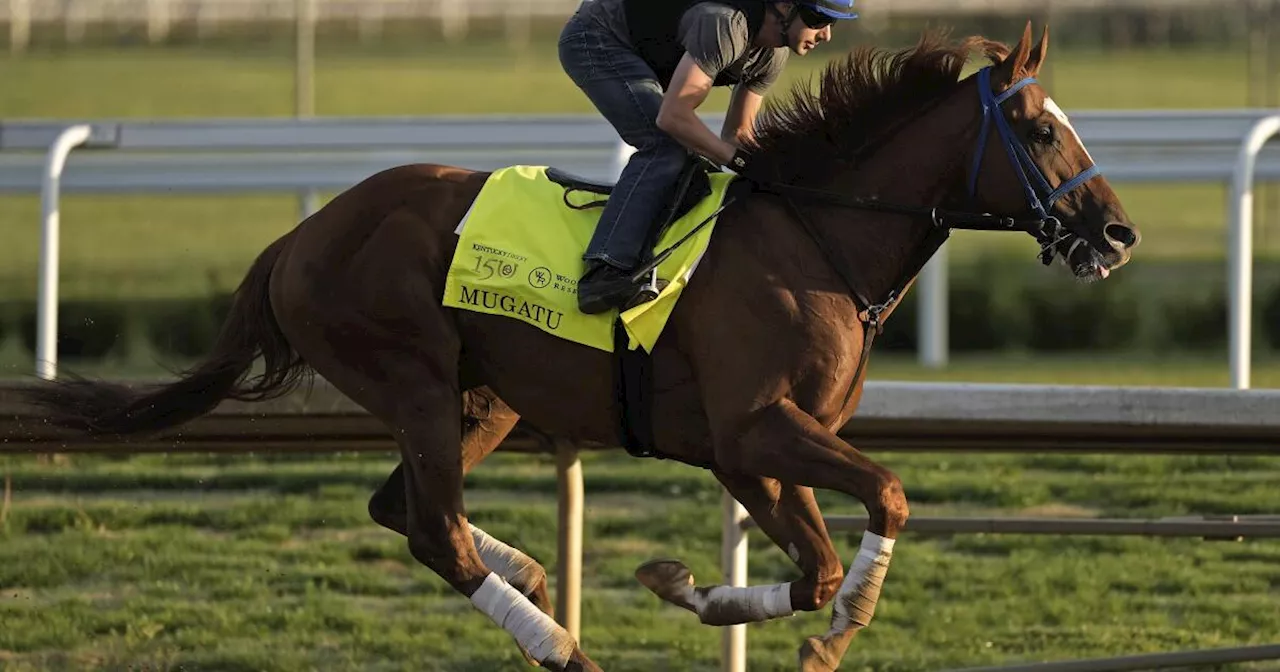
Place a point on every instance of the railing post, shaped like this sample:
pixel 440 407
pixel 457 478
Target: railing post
pixel 304 83
pixel 932 311
pixel 50 221
pixel 733 563
pixel 569 546
pixel 1240 250
pixel 19 26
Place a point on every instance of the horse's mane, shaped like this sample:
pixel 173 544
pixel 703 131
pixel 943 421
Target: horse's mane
pixel 859 97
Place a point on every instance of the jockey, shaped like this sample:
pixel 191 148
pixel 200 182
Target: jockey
pixel 647 65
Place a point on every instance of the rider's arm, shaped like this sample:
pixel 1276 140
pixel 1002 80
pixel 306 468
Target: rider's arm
pixel 678 117
pixel 739 120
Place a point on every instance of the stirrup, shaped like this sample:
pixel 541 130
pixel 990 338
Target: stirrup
pixel 648 291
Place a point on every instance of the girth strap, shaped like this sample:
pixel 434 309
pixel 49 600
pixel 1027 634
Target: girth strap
pixel 633 391
pixel 633 369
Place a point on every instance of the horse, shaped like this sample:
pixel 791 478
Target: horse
pixel 762 362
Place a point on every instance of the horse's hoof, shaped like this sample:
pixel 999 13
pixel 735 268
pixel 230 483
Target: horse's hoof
pixel 670 580
pixel 816 656
pixel 579 662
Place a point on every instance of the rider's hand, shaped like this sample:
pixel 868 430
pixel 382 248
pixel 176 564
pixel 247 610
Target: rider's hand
pixel 743 164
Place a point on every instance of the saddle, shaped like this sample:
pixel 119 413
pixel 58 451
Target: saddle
pixel 691 187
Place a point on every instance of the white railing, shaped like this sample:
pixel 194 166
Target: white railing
pixel 298 155
pixel 1240 260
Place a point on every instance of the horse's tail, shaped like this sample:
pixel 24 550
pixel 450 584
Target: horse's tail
pixel 250 331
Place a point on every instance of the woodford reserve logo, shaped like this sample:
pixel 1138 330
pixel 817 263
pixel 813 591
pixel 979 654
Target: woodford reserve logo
pixel 512 305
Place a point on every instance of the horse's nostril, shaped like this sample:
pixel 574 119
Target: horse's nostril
pixel 1122 234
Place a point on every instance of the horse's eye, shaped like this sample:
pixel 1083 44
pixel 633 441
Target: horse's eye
pixel 1042 134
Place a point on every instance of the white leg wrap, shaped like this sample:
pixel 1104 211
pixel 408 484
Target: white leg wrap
pixel 730 605
pixel 537 632
pixel 512 565
pixel 757 603
pixel 855 603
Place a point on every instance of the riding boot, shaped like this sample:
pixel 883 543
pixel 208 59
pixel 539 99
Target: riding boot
pixel 604 287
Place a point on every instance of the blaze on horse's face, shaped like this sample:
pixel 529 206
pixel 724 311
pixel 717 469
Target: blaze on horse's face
pixel 1098 235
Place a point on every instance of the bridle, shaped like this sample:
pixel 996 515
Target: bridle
pixel 1040 196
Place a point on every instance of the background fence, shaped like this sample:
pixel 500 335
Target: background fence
pixel 1118 22
pixel 1114 24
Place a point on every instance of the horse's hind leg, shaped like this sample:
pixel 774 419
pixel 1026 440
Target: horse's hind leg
pixel 486 422
pixel 789 515
pixel 428 417
pixel 414 391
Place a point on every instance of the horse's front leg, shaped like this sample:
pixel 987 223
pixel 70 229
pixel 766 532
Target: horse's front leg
pixel 783 442
pixel 789 515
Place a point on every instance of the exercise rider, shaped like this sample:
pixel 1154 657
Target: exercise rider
pixel 647 65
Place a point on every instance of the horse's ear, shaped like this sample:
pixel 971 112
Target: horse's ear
pixel 1036 60
pixel 1013 67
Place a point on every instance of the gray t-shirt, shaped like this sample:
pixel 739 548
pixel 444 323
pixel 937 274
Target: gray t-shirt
pixel 715 35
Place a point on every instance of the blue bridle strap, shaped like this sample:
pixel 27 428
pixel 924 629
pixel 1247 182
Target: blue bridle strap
pixel 1040 195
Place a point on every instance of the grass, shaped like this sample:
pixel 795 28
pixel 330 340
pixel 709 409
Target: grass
pixel 171 245
pixel 229 563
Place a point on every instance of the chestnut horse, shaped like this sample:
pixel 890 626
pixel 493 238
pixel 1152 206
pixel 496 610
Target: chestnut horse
pixel 761 362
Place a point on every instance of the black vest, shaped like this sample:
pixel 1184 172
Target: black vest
pixel 652 25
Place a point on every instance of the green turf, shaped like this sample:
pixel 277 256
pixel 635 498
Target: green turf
pixel 192 562
pixel 156 245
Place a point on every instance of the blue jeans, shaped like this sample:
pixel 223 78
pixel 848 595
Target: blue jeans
pixel 626 91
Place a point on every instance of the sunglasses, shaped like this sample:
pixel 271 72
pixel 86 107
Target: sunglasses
pixel 813 18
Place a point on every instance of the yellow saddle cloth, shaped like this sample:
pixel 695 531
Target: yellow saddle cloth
pixel 520 251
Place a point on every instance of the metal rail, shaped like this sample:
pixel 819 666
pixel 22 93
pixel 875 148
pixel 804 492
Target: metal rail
pixel 902 417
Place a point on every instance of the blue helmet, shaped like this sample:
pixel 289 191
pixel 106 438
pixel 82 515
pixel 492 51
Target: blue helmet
pixel 835 9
